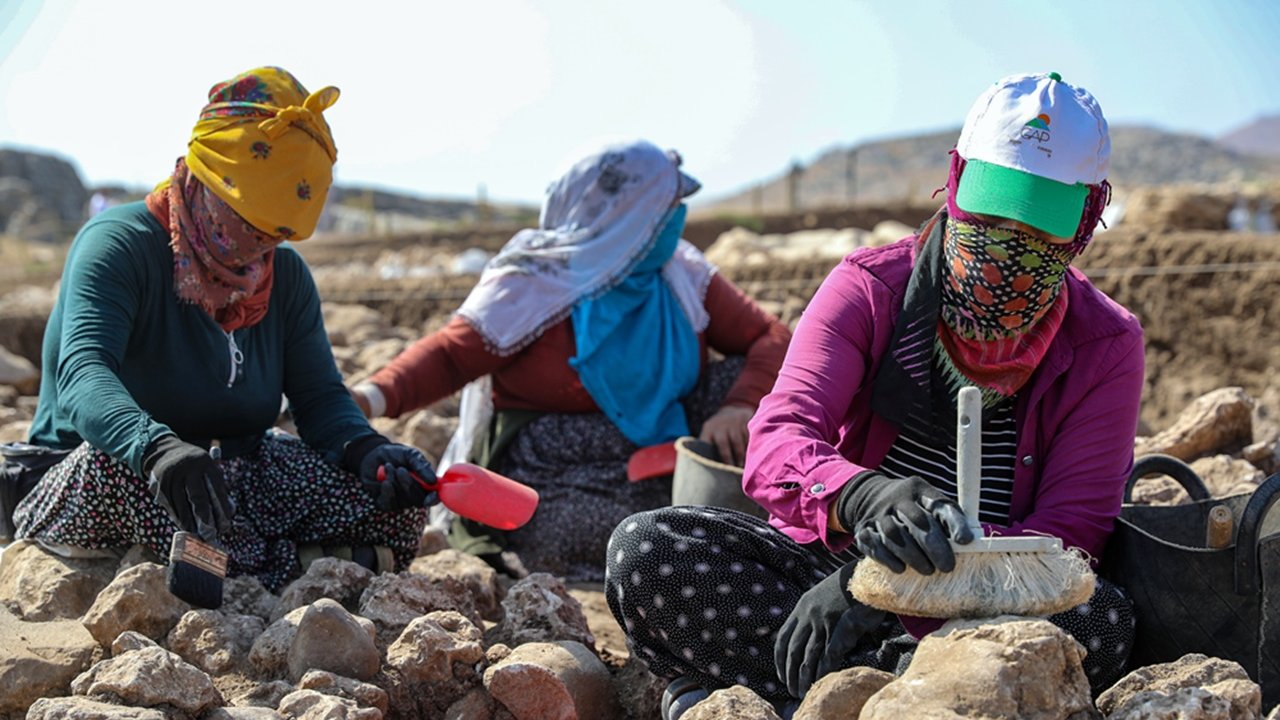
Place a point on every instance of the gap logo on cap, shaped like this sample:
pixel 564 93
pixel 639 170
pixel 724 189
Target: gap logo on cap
pixel 1037 128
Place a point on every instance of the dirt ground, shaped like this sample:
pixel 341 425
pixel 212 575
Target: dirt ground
pixel 1209 303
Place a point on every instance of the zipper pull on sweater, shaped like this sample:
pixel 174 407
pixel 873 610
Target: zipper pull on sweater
pixel 237 358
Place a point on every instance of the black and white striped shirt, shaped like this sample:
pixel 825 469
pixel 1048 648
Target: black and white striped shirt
pixel 929 451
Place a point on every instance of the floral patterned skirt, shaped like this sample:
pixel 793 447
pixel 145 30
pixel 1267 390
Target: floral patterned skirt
pixel 285 495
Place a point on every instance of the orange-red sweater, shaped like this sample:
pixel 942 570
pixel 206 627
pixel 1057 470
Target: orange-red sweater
pixel 539 377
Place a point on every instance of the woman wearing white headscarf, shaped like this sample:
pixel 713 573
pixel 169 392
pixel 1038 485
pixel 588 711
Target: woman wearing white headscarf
pixel 593 330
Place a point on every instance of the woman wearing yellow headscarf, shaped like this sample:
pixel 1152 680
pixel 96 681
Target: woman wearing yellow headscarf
pixel 180 324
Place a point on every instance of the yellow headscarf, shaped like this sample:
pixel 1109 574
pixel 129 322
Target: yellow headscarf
pixel 263 147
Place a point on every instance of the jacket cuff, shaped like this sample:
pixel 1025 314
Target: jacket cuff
pixel 374 396
pixel 356 450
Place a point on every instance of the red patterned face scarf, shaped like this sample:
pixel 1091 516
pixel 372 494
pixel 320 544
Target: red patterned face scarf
pixel 220 262
pixel 1003 299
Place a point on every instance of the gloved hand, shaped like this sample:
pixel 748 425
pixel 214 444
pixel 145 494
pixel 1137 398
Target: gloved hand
pixel 188 484
pixel 823 628
pixel 398 489
pixel 902 521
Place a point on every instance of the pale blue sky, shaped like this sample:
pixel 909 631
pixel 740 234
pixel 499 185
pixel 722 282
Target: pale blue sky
pixel 439 96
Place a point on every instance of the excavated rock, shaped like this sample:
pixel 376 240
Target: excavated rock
pixel 328 577
pixel 990 668
pixel 150 677
pixel 39 585
pixel 436 661
pixel 544 681
pixel 39 660
pixel 215 642
pixel 842 694
pixel 1191 681
pixel 138 599
pixel 735 703
pixel 476 575
pixel 540 608
pixel 330 638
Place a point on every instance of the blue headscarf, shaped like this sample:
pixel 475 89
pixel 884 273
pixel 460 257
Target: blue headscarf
pixel 637 353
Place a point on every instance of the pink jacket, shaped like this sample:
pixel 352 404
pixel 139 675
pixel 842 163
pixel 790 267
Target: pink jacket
pixel 1077 416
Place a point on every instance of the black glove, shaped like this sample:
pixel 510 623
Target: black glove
pixel 188 484
pixel 823 628
pixel 397 489
pixel 902 521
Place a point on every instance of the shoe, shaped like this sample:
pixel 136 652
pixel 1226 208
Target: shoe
pixel 681 695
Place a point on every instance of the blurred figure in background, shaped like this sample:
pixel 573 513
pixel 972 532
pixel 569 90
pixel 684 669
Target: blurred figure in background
pixel 590 336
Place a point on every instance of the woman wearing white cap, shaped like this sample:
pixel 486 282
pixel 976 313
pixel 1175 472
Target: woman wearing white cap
pixel 853 450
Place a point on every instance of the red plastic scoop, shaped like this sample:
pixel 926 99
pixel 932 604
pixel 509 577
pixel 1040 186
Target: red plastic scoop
pixel 482 495
pixel 651 462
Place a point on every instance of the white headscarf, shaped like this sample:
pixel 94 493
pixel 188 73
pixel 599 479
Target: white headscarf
pixel 597 222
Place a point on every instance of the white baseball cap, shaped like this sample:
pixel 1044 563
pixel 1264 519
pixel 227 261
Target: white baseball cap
pixel 1033 145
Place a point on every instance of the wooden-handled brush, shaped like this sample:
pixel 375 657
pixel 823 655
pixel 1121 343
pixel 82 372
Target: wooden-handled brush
pixel 1024 575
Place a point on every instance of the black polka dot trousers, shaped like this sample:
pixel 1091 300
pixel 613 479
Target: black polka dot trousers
pixel 702 592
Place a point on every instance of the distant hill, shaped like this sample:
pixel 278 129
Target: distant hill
pixel 359 210
pixel 1260 137
pixel 911 168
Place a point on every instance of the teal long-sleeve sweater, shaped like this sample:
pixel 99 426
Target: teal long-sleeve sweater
pixel 125 361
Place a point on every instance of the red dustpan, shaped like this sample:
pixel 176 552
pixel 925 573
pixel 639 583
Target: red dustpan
pixel 482 495
pixel 651 462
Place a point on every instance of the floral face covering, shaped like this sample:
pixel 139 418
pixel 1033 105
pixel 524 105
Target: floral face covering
pixel 999 282
pixel 1003 298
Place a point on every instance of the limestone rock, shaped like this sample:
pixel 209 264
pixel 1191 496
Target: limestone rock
pixel 887 232
pixel 312 705
pixel 394 601
pixel 39 659
pixel 430 432
pixel 1159 490
pixel 327 683
pixel 1224 475
pixel 553 680
pixel 435 661
pixel 539 608
pixel 80 708
pixel 480 579
pixel 1190 703
pixel 245 595
pixel 264 695
pixel 1219 421
pixel 242 713
pixel 39 585
pixel 138 599
pixel 735 703
pixel 330 638
pixel 1220 678
pixel 355 325
pixel 270 652
pixel 128 641
pixel 327 577
pixel 475 705
pixel 990 668
pixel 215 642
pixel 1264 455
pixel 18 372
pixel 842 694
pixel 150 677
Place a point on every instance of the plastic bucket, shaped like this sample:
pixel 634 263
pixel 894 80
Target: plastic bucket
pixel 701 479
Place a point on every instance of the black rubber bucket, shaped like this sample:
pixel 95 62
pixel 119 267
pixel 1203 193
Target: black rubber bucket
pixel 1189 598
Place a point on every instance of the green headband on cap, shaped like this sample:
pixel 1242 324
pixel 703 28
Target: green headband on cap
pixel 1044 204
